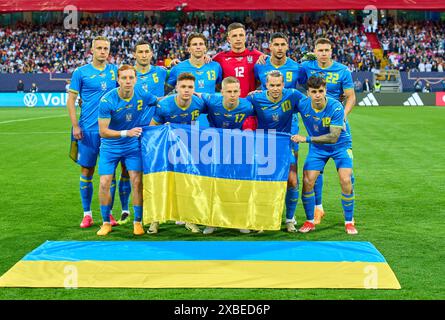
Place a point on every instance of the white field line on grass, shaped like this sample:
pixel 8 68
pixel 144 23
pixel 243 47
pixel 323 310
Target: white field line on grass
pixel 30 119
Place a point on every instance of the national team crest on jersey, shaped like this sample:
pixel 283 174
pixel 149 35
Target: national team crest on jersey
pixel 103 85
pixel 249 59
pixel 226 124
pixel 128 117
pixel 201 84
pixel 145 87
pixel 275 117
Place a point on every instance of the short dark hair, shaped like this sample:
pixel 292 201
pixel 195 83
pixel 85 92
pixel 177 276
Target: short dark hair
pixel 185 76
pixel 196 35
pixel 235 25
pixel 141 43
pixel 323 41
pixel 316 82
pixel 278 35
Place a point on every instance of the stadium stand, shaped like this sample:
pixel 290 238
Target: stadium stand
pixel 417 46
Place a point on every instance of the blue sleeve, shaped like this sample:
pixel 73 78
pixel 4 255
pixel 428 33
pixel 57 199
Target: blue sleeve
pixel 158 117
pixel 203 106
pixel 164 74
pixel 219 72
pixel 302 76
pixel 76 82
pixel 347 82
pixel 338 116
pixel 151 99
pixel 206 98
pixel 249 98
pixel 104 109
pixel 173 76
pixel 256 71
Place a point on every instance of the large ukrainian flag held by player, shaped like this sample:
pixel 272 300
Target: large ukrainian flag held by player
pixel 216 177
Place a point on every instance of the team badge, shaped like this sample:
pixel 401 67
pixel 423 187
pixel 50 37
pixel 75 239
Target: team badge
pixel 145 87
pixel 128 117
pixel 103 85
pixel 201 84
pixel 275 117
pixel 249 59
pixel 316 128
pixel 226 124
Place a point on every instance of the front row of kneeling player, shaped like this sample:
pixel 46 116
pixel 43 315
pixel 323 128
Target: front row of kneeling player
pixel 124 109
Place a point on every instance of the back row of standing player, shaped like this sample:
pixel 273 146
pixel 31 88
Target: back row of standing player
pixel 250 67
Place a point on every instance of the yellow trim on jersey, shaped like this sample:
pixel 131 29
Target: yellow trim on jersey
pixel 126 100
pixel 276 67
pixel 99 68
pixel 318 111
pixel 196 66
pixel 183 108
pixel 72 90
pixel 224 106
pixel 332 63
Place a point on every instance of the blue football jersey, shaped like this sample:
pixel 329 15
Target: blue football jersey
pixel 153 81
pixel 338 77
pixel 317 123
pixel 91 84
pixel 276 115
pixel 207 76
pixel 124 114
pixel 290 70
pixel 168 110
pixel 221 117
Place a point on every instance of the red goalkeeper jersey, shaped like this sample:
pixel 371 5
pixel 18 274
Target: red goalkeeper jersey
pixel 239 65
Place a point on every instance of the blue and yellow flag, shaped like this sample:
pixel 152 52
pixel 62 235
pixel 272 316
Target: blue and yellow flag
pixel 215 177
pixel 203 264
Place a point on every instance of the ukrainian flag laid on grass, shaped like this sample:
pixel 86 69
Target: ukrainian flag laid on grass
pixel 203 264
pixel 215 177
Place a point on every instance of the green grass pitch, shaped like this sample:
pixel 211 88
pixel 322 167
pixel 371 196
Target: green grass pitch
pixel 400 200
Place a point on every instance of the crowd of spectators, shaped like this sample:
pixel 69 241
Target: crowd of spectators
pixel 414 46
pixel 50 48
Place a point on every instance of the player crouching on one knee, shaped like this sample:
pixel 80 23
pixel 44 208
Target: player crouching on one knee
pixel 323 118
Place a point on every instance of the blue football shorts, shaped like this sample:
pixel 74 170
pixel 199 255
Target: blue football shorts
pixel 87 148
pixel 109 159
pixel 317 158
